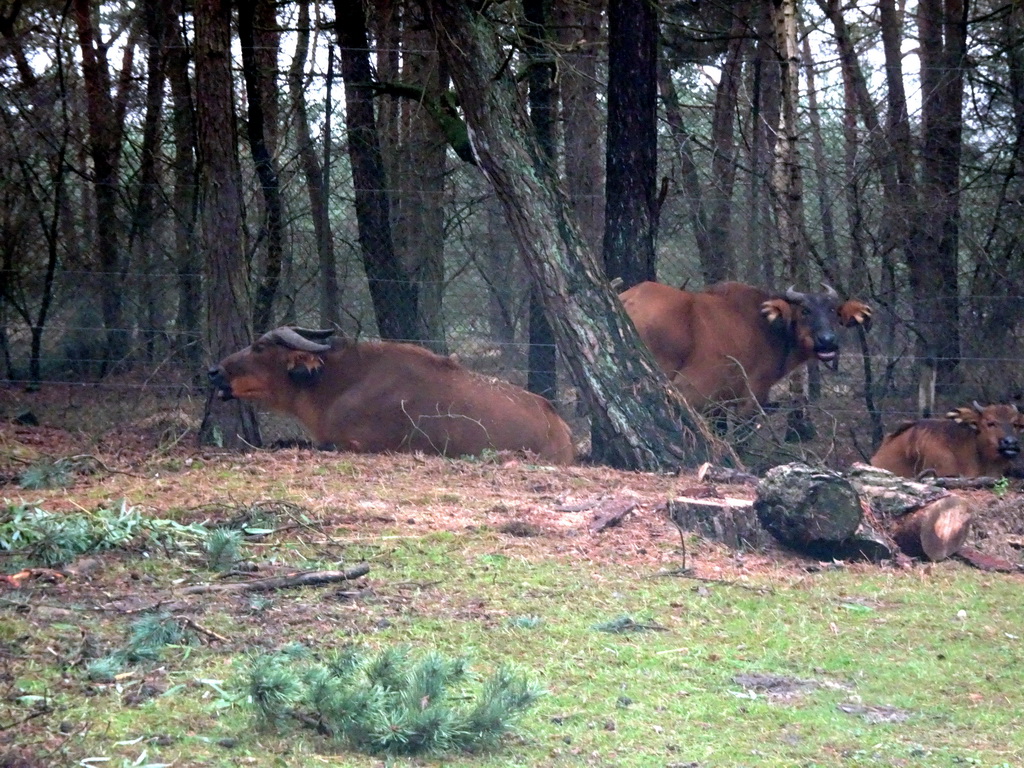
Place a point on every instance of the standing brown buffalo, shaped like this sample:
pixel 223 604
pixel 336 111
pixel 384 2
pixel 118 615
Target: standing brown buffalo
pixel 726 346
pixel 972 441
pixel 386 396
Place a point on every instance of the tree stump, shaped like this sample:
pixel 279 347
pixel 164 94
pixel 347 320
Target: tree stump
pixel 923 519
pixel 731 521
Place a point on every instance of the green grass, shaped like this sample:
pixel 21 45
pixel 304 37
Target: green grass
pixel 873 638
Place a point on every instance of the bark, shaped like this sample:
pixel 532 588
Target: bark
pixel 788 194
pixel 578 32
pixel 924 520
pixel 105 116
pixel 418 210
pixel 722 264
pixel 942 27
pixel 807 508
pixel 646 425
pixel 825 195
pixel 393 294
pixel 631 151
pixel 542 377
pixel 731 521
pixel 765 110
pixel 141 238
pixel 257 74
pixel 712 267
pixel 228 312
pixel 185 197
pixel 313 173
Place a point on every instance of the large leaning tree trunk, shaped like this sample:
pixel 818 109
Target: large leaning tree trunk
pixel 645 424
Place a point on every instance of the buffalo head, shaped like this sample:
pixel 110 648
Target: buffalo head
pixel 810 320
pixel 269 368
pixel 996 426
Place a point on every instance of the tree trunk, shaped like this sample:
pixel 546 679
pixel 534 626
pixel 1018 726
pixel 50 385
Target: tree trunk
pixel 722 264
pixel 542 378
pixel 631 151
pixel 105 114
pixel 578 30
pixel 712 267
pixel 312 170
pixel 788 189
pixel 646 424
pixel 257 89
pixel 420 179
pixel 393 294
pixel 185 198
pixel 942 27
pixel 763 253
pixel 141 239
pixel 227 286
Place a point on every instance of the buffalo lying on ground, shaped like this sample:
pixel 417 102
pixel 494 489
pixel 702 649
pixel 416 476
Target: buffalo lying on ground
pixel 972 441
pixel 726 346
pixel 384 396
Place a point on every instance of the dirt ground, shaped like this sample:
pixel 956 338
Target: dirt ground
pixel 124 442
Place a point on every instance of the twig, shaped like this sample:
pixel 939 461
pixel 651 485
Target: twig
pixel 304 579
pixel 197 627
pixel 32 716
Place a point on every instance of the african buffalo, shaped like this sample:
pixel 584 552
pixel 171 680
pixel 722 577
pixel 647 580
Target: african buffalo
pixel 972 441
pixel 385 396
pixel 725 347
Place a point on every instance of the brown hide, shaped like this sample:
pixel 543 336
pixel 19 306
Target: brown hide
pixel 727 346
pixel 969 442
pixel 387 396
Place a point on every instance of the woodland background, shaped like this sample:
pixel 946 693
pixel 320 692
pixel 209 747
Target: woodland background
pixel 175 177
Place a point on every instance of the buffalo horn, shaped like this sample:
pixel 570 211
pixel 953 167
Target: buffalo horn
pixel 792 294
pixel 313 334
pixel 293 340
pixel 830 291
pixel 978 406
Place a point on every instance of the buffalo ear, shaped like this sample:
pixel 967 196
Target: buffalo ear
pixel 304 367
pixel 777 312
pixel 854 312
pixel 966 416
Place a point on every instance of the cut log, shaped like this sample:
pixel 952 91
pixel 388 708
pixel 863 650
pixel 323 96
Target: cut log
pixel 811 510
pixel 936 530
pixel 731 521
pixel 923 519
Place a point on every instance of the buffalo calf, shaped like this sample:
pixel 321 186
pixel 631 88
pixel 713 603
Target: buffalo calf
pixel 973 441
pixel 386 396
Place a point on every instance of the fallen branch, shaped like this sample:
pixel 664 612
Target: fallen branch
pixel 195 626
pixel 610 513
pixel 303 579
